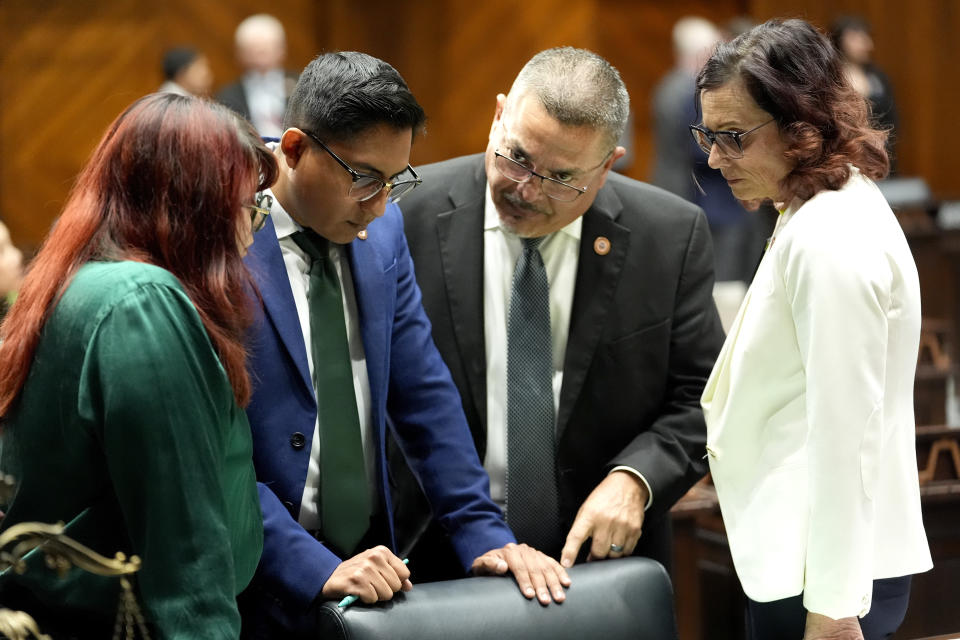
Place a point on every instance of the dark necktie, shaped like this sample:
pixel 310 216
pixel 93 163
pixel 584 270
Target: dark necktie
pixel 344 494
pixel 531 488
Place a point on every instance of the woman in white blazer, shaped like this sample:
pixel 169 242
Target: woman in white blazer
pixel 810 425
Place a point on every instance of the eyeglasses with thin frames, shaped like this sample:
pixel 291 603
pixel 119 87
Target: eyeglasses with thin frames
pixel 259 212
pixel 729 142
pixel 551 187
pixel 365 186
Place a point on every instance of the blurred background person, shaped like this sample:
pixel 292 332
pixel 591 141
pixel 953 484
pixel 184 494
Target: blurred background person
pixel 674 108
pixel 11 270
pixel 124 375
pixel 187 72
pixel 260 95
pixel 680 166
pixel 809 409
pixel 851 36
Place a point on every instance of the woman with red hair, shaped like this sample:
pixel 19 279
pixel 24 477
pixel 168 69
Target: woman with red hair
pixel 809 409
pixel 124 375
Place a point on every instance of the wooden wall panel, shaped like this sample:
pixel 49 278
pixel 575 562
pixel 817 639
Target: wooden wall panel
pixel 68 68
pixel 457 55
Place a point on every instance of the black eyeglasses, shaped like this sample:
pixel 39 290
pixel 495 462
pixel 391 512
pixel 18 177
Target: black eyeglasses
pixel 730 142
pixel 551 187
pixel 259 211
pixel 366 186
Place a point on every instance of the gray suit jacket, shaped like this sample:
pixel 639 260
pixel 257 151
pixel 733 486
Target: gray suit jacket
pixel 644 332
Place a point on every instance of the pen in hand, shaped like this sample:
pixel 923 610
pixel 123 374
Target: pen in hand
pixel 349 600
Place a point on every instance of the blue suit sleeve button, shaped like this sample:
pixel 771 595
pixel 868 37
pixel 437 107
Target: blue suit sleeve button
pixel 298 441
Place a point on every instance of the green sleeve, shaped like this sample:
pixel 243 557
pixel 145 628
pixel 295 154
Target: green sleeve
pixel 154 387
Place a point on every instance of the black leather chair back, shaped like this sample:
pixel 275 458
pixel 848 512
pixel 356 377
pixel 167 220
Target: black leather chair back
pixel 613 600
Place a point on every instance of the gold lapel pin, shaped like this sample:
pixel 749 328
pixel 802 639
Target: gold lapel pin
pixel 601 246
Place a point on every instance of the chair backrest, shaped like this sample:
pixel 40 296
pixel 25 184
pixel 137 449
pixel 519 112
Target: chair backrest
pixel 614 599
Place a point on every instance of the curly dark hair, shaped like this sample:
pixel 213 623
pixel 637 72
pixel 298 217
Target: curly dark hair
pixel 794 73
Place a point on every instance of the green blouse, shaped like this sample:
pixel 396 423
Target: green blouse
pixel 127 430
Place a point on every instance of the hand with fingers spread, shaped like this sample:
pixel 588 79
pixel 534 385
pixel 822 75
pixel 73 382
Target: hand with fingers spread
pixel 612 515
pixel 537 574
pixel 372 575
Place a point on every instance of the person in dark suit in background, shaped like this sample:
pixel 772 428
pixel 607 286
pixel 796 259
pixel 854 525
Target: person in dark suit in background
pixel 851 35
pixel 679 165
pixel 609 378
pixel 260 95
pixel 343 353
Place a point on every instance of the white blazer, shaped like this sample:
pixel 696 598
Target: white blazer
pixel 809 409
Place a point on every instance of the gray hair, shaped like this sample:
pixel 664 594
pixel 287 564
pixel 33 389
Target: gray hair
pixel 577 87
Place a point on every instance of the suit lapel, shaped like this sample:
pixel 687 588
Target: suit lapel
pixel 597 278
pixel 371 292
pixel 460 234
pixel 270 274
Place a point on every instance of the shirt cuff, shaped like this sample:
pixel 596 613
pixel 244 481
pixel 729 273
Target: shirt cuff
pixel 642 479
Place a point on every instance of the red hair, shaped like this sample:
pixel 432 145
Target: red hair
pixel 165 186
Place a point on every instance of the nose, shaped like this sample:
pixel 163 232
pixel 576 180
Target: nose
pixel 529 190
pixel 716 158
pixel 377 205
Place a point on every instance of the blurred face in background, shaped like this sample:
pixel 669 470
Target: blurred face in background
pixel 11 263
pixel 262 51
pixel 196 77
pixel 857 45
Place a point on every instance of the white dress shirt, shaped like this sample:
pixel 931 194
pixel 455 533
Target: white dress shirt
pixel 298 272
pixel 267 99
pixel 501 249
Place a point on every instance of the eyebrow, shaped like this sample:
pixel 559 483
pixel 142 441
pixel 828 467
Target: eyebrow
pixel 554 171
pixel 369 169
pixel 726 125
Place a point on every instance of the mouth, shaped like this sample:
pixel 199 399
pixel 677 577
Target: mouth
pixel 520 209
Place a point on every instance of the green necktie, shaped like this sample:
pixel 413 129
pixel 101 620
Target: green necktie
pixel 344 494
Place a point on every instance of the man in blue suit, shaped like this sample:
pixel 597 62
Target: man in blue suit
pixel 328 519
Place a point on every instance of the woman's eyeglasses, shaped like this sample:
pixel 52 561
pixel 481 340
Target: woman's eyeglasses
pixel 259 212
pixel 730 142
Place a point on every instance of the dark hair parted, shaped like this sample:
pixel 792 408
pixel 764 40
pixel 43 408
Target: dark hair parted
pixel 794 73
pixel 165 186
pixel 342 94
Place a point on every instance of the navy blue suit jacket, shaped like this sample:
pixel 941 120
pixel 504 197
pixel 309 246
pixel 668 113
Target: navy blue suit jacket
pixel 411 393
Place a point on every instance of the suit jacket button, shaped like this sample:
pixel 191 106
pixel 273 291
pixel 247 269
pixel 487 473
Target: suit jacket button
pixel 298 440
